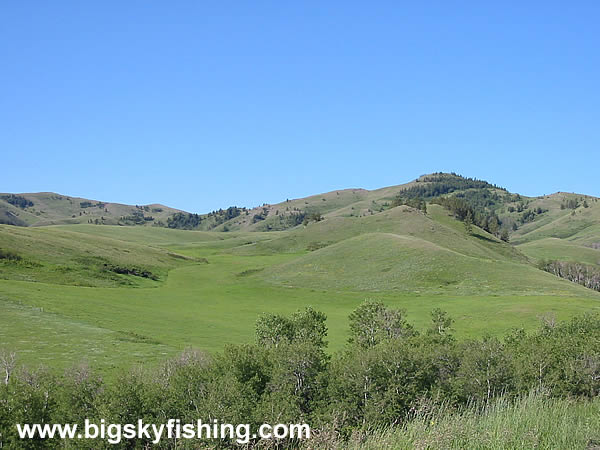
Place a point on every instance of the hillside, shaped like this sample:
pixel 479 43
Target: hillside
pixel 63 257
pixel 47 208
pixel 392 262
pixel 482 195
pixel 578 222
pixel 437 226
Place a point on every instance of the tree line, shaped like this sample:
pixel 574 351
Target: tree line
pixel 574 203
pixel 17 200
pixel 184 221
pixel 584 274
pixel 439 184
pixel 473 201
pixel 137 217
pixel 190 221
pixel 383 376
pixel 466 213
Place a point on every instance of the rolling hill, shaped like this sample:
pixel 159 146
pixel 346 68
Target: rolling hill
pixel 63 257
pixel 377 262
pixel 48 208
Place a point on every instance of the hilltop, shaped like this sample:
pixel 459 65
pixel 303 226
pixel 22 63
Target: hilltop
pixel 48 208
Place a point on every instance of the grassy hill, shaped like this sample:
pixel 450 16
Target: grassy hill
pixel 560 249
pixel 558 221
pixel 391 262
pixel 568 229
pixel 48 208
pixel 64 257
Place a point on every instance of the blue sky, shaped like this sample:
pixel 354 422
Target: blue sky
pixel 201 105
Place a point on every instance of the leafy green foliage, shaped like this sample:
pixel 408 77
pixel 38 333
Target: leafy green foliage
pixel 223 215
pixel 302 326
pixel 129 270
pixel 413 202
pixel 441 323
pixel 464 212
pixel 137 217
pixel 569 203
pixel 470 200
pixel 184 221
pixel 531 421
pixel 372 323
pixel 189 221
pixel 17 200
pixel 439 184
pixel 469 222
pixel 312 217
pixel 9 256
pixel 260 216
pixel 469 194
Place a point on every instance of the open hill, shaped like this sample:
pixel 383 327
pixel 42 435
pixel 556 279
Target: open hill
pixel 64 257
pixel 565 216
pixel 400 263
pixel 48 208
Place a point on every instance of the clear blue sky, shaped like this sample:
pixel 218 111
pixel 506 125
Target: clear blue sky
pixel 206 104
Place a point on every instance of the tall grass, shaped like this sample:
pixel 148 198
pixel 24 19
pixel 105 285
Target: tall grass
pixel 532 422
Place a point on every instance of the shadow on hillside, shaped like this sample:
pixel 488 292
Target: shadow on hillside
pixel 484 238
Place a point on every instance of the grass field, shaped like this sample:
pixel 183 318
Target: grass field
pixel 554 248
pixel 212 286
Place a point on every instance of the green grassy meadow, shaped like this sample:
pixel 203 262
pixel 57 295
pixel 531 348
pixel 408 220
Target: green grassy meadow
pixel 212 286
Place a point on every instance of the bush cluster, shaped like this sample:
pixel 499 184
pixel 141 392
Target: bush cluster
pixel 17 200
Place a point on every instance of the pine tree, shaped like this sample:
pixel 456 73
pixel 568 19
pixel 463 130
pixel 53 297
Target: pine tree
pixel 493 225
pixel 469 222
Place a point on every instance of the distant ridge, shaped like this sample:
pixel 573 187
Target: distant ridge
pixel 49 208
pixel 558 215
